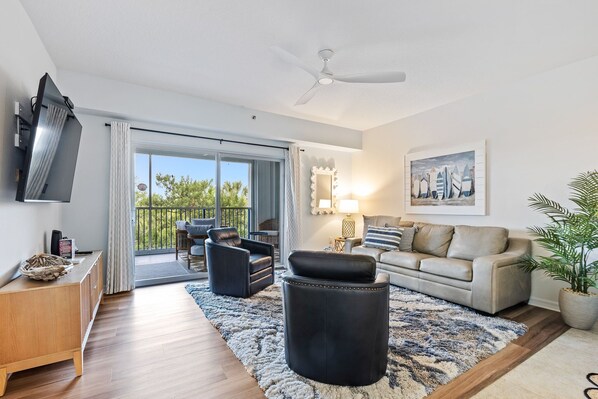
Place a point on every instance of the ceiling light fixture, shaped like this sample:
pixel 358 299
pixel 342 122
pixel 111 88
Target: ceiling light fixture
pixel 325 80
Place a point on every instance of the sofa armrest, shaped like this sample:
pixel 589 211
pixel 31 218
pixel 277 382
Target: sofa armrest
pixel 350 243
pixel 498 281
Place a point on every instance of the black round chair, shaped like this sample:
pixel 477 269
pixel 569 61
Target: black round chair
pixel 336 318
pixel 237 266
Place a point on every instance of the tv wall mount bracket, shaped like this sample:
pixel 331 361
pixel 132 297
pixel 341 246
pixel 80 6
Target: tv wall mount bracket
pixel 23 128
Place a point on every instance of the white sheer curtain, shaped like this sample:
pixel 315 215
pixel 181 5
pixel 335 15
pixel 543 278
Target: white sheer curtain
pixel 120 273
pixel 292 182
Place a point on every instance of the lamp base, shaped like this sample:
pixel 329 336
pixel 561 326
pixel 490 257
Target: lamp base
pixel 348 228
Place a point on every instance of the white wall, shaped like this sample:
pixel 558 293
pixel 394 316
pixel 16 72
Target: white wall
pixel 26 228
pixel 145 104
pixel 540 132
pixel 317 230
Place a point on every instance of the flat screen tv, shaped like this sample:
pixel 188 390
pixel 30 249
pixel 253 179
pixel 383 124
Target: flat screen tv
pixel 51 154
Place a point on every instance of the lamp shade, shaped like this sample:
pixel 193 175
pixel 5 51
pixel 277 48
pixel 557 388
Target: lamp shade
pixel 348 206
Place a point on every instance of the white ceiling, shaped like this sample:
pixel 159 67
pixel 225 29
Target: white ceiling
pixel 220 50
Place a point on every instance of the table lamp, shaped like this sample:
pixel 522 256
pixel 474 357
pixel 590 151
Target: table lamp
pixel 348 206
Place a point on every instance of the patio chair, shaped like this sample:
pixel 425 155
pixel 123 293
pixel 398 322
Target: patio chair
pixel 181 242
pixel 197 232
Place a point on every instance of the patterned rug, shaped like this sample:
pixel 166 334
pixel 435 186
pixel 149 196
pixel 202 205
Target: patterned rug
pixel 431 342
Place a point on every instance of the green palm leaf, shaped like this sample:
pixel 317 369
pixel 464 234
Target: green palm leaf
pixel 570 236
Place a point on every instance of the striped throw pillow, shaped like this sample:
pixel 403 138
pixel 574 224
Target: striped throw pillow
pixel 387 238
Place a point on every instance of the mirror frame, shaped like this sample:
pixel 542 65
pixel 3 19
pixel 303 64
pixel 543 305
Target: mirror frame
pixel 315 172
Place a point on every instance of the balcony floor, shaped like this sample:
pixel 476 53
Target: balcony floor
pixel 165 268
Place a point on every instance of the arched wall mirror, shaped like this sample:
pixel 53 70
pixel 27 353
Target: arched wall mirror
pixel 323 190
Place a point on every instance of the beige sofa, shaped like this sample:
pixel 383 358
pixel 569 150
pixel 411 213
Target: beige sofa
pixel 469 265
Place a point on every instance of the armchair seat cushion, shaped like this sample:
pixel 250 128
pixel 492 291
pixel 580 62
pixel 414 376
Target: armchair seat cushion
pixel 259 262
pixel 452 268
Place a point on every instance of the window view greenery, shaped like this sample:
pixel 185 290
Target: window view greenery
pixel 185 197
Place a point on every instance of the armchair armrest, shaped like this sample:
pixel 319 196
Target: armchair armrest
pixel 498 279
pixel 258 247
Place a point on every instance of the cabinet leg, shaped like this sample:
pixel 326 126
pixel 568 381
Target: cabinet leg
pixel 3 381
pixel 78 361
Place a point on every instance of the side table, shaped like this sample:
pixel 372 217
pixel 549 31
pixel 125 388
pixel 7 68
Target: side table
pixel 339 244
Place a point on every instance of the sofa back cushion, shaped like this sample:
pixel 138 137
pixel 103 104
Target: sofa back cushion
pixel 470 242
pixel 433 239
pixel 406 244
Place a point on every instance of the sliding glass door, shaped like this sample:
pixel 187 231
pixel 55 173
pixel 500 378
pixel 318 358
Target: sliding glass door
pixel 255 184
pixel 237 191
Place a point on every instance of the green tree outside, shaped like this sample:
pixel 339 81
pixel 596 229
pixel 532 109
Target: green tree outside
pixel 199 199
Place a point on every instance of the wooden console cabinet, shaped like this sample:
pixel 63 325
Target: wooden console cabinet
pixel 48 322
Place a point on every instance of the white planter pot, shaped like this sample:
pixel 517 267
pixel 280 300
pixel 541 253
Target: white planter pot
pixel 578 311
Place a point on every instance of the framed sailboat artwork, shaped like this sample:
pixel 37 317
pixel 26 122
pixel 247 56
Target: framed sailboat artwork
pixel 450 181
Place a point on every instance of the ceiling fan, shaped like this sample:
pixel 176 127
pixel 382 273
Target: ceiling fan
pixel 325 77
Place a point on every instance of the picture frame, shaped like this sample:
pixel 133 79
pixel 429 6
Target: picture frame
pixel 66 248
pixel 447 181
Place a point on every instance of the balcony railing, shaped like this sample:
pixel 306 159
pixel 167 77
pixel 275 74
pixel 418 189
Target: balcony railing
pixel 155 227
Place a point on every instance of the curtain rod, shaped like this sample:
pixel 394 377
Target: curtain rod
pixel 205 138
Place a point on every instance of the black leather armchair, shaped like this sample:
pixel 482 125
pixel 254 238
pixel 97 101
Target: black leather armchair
pixel 237 266
pixel 336 318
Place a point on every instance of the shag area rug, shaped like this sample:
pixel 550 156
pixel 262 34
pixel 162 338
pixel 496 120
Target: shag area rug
pixel 431 342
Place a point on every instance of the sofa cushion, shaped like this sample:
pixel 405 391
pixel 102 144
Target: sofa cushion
pixel 453 268
pixel 387 238
pixel 470 242
pixel 433 239
pixel 409 260
pixel 407 237
pixel 373 252
pixel 379 220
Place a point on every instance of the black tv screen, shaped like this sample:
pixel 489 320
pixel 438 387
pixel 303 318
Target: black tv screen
pixel 51 154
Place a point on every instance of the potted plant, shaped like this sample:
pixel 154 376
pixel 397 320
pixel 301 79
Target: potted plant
pixel 571 237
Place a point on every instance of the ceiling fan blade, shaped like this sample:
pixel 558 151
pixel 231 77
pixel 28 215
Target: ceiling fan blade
pixel 308 94
pixel 378 77
pixel 293 60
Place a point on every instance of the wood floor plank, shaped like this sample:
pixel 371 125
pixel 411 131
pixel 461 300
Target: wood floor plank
pixel 156 343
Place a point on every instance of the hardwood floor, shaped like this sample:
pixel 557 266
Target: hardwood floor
pixel 156 343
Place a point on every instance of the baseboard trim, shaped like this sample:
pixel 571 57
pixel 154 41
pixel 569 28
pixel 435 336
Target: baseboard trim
pixel 543 303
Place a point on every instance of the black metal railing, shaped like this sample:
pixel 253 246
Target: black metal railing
pixel 155 227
